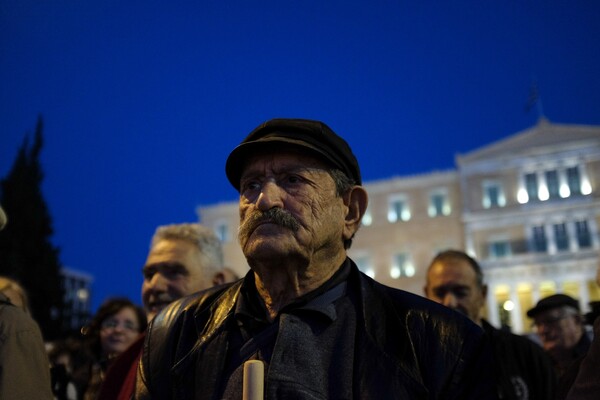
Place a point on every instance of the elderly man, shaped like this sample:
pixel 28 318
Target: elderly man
pixel 560 326
pixel 183 259
pixel 320 327
pixel 522 369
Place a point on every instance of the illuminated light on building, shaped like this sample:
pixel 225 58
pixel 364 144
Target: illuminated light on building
pixel 367 219
pixel 508 305
pixel 392 216
pixel 501 200
pixel 522 196
pixel 564 191
pixel 405 216
pixel 446 209
pixel 586 188
pixel 543 193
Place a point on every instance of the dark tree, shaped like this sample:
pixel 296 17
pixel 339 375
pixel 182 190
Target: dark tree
pixel 26 253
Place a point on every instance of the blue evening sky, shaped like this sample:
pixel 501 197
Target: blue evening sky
pixel 143 100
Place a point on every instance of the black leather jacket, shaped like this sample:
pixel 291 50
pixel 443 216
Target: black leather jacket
pixel 408 347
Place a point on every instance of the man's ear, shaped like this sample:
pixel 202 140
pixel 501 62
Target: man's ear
pixel 356 201
pixel 484 290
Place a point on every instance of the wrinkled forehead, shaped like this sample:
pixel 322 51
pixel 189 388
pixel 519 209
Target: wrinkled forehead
pixel 283 160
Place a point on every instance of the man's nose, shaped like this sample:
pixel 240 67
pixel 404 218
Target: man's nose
pixel 158 283
pixel 270 196
pixel 449 300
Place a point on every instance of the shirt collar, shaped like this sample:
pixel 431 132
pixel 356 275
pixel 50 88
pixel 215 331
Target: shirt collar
pixel 321 300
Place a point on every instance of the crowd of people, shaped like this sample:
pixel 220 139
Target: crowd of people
pixel 304 315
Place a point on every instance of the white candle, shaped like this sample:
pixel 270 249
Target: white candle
pixel 254 380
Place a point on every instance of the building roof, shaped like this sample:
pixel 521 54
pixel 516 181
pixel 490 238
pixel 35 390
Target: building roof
pixel 542 135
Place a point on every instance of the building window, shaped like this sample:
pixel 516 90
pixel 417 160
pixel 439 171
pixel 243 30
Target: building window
pixel 552 183
pixel 561 237
pixel 584 239
pixel 402 267
pixel 222 232
pixel 574 180
pixel 540 243
pixel 438 205
pixel 493 195
pixel 398 209
pixel 531 185
pixel 499 249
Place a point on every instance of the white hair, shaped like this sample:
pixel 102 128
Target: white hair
pixel 203 238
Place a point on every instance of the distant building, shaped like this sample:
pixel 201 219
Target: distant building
pixel 527 207
pixel 77 292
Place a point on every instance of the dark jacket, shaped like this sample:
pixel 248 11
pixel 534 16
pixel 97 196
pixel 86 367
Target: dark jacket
pixel 24 365
pixel 587 384
pixel 523 369
pixel 407 347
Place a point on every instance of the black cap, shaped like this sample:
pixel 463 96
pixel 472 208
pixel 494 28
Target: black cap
pixel 554 301
pixel 307 134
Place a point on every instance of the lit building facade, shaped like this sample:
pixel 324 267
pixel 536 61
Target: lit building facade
pixel 531 206
pixel 77 297
pixel 527 207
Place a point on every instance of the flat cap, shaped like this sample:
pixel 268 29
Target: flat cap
pixel 554 301
pixel 306 134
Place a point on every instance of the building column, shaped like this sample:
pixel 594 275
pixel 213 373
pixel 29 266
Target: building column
pixel 593 228
pixel 572 234
pixel 550 238
pixel 515 315
pixel 492 306
pixel 584 295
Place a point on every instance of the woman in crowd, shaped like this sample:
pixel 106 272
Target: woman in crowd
pixel 116 325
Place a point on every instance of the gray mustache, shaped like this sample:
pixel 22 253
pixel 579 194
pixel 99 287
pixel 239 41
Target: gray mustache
pixel 274 216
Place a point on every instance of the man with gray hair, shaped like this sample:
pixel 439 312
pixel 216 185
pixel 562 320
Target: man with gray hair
pixel 183 259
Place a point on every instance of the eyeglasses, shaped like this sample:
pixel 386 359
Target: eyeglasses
pixel 110 324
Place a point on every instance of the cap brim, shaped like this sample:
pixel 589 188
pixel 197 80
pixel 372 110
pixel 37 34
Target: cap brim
pixel 238 157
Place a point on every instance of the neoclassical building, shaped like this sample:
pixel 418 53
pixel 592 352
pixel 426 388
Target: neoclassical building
pixel 527 207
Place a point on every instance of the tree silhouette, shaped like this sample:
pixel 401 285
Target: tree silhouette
pixel 26 253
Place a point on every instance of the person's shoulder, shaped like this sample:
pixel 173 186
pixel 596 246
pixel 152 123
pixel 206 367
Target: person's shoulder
pixel 15 319
pixel 195 303
pixel 409 301
pixel 505 339
pixel 412 307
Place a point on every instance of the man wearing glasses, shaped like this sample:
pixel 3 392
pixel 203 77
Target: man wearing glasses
pixel 558 322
